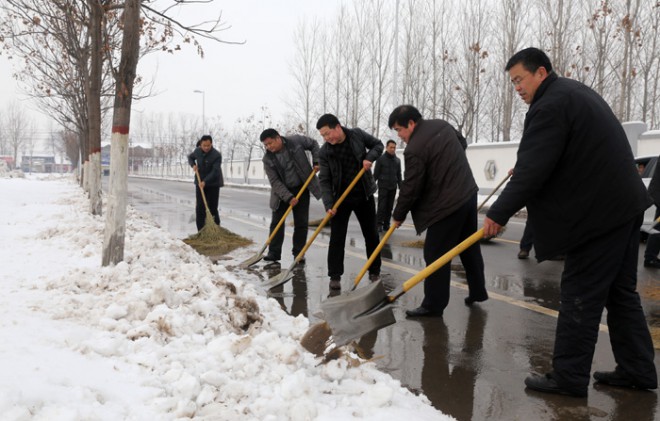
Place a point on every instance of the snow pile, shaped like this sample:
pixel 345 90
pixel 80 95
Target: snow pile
pixel 163 335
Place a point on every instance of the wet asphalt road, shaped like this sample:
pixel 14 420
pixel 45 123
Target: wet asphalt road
pixel 470 363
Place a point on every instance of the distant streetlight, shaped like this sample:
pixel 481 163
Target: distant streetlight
pixel 197 91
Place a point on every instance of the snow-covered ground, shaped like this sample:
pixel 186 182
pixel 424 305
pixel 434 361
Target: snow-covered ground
pixel 163 335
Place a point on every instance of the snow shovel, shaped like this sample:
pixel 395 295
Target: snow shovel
pixel 373 256
pixel 356 313
pixel 284 276
pixel 257 257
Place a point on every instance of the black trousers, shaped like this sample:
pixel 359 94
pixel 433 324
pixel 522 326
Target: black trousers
pixel 527 240
pixel 212 194
pixel 365 211
pixel 442 237
pixel 385 205
pixel 300 225
pixel 602 274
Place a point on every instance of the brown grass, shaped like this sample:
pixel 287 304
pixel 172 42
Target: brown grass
pixel 224 243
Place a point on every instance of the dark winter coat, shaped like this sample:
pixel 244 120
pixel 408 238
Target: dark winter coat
pixel 209 166
pixel 296 146
pixel 654 185
pixel 388 172
pixel 365 147
pixel 437 180
pixel 575 170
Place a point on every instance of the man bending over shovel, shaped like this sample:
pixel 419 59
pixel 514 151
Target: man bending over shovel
pixel 344 154
pixel 441 194
pixel 287 167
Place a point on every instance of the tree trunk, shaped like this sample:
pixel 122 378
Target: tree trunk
pixel 115 225
pixel 94 106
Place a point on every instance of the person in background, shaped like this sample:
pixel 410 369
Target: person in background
pixel 439 191
pixel 388 176
pixel 342 156
pixel 573 153
pixel 653 242
pixel 208 161
pixel 287 166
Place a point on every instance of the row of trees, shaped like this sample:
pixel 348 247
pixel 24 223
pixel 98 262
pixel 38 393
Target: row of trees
pixel 447 57
pixel 76 57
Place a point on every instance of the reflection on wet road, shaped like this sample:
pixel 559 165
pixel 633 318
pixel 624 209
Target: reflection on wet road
pixel 471 362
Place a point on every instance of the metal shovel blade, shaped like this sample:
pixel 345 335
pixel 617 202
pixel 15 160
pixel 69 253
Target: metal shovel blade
pixel 356 313
pixel 252 260
pixel 280 278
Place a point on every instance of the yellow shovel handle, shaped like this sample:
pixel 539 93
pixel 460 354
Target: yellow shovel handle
pixel 288 211
pixel 374 255
pixel 441 261
pixel 327 216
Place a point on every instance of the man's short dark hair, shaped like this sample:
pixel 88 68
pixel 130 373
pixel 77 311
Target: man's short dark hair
pixel 206 137
pixel 390 141
pixel 329 120
pixel 531 59
pixel 268 134
pixel 402 115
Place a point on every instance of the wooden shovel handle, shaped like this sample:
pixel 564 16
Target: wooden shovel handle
pixel 327 216
pixel 440 262
pixel 279 224
pixel 374 255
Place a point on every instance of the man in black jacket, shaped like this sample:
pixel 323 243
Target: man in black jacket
pixel 208 161
pixel 440 192
pixel 576 175
pixel 653 242
pixel 287 167
pixel 388 176
pixel 344 154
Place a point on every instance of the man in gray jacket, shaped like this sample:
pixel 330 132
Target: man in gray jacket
pixel 287 167
pixel 439 190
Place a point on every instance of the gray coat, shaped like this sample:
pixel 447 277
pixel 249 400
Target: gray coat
pixel 296 145
pixel 437 179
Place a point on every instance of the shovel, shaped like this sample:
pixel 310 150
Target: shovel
pixel 284 276
pixel 356 313
pixel 392 228
pixel 257 257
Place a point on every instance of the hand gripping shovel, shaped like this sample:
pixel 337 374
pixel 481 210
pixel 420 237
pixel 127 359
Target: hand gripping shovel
pixel 254 259
pixel 284 276
pixel 356 313
pixel 373 256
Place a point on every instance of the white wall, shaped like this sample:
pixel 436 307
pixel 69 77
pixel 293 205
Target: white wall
pixel 490 162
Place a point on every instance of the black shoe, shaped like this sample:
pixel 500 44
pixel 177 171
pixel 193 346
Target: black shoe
pixel 652 263
pixel 423 312
pixel 469 300
pixel 271 258
pixel 619 379
pixel 523 254
pixel 335 284
pixel 547 384
pixel 374 277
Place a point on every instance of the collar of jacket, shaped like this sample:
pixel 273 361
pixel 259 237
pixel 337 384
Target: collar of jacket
pixel 544 86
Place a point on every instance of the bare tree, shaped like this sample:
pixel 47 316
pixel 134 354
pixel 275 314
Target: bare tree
pixel 17 127
pixel 304 68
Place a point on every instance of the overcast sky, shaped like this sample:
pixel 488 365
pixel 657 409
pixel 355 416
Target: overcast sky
pixel 237 79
